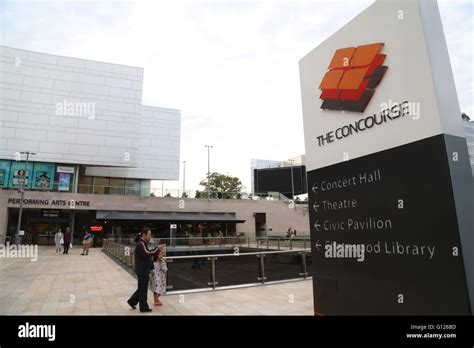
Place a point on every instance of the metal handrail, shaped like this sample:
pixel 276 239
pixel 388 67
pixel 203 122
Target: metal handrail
pixel 117 251
pixel 239 254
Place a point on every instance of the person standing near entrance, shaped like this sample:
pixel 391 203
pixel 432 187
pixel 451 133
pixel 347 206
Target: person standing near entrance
pixel 58 240
pixel 67 239
pixel 221 237
pixel 143 266
pixel 87 243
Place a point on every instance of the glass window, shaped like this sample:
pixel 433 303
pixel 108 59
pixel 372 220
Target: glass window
pixel 101 185
pixel 85 184
pixel 145 188
pixel 117 186
pixel 132 187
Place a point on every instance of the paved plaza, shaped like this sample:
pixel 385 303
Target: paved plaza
pixel 96 285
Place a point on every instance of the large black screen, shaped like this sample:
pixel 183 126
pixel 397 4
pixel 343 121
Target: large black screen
pixel 279 180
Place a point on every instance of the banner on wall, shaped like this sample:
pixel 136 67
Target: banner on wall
pixel 43 177
pixel 64 181
pixel 20 175
pixel 4 172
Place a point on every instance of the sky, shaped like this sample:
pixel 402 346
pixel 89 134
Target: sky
pixel 231 67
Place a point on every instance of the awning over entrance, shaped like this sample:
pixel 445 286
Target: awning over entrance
pixel 166 216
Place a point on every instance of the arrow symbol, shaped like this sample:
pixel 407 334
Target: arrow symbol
pixel 315 188
pixel 317 245
pixel 316 226
pixel 316 206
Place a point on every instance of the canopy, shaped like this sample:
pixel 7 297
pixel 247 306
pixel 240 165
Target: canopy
pixel 166 216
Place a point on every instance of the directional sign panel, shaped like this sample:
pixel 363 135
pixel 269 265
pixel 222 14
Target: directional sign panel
pixel 389 179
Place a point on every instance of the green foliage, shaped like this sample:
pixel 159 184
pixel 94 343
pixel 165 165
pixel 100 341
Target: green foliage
pixel 221 186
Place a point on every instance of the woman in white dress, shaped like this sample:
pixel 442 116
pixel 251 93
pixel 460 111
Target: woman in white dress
pixel 58 240
pixel 158 276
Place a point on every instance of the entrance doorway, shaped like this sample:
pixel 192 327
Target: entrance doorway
pixel 39 224
pixel 260 225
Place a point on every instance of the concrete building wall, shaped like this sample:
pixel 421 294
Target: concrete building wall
pixel 68 110
pixel 158 144
pixel 77 111
pixel 278 214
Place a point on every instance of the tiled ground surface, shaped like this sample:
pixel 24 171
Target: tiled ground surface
pixel 95 284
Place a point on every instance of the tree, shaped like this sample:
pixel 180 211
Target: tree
pixel 222 186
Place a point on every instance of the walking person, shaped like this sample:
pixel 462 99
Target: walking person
pixel 158 276
pixel 67 239
pixel 87 242
pixel 58 240
pixel 143 266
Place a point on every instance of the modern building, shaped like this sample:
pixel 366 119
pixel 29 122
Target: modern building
pixel 85 125
pixel 469 131
pixel 93 151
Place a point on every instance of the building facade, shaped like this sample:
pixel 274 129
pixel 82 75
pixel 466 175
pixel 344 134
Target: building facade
pixel 93 151
pixel 85 128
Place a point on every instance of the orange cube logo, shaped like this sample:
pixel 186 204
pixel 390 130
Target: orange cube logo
pixel 353 75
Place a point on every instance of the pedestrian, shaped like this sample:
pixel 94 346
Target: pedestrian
pixel 58 240
pixel 158 276
pixel 221 237
pixel 87 241
pixel 143 266
pixel 67 240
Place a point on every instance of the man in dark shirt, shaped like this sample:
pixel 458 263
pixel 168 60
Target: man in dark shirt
pixel 67 239
pixel 143 266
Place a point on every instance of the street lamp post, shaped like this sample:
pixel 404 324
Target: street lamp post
pixel 208 168
pixel 22 190
pixel 184 178
pixel 292 181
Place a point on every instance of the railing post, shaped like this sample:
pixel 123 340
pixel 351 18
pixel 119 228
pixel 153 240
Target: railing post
pixel 262 277
pixel 304 273
pixel 248 242
pixel 278 243
pixel 304 243
pixel 213 282
pixel 291 244
pixel 267 243
pixel 168 285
